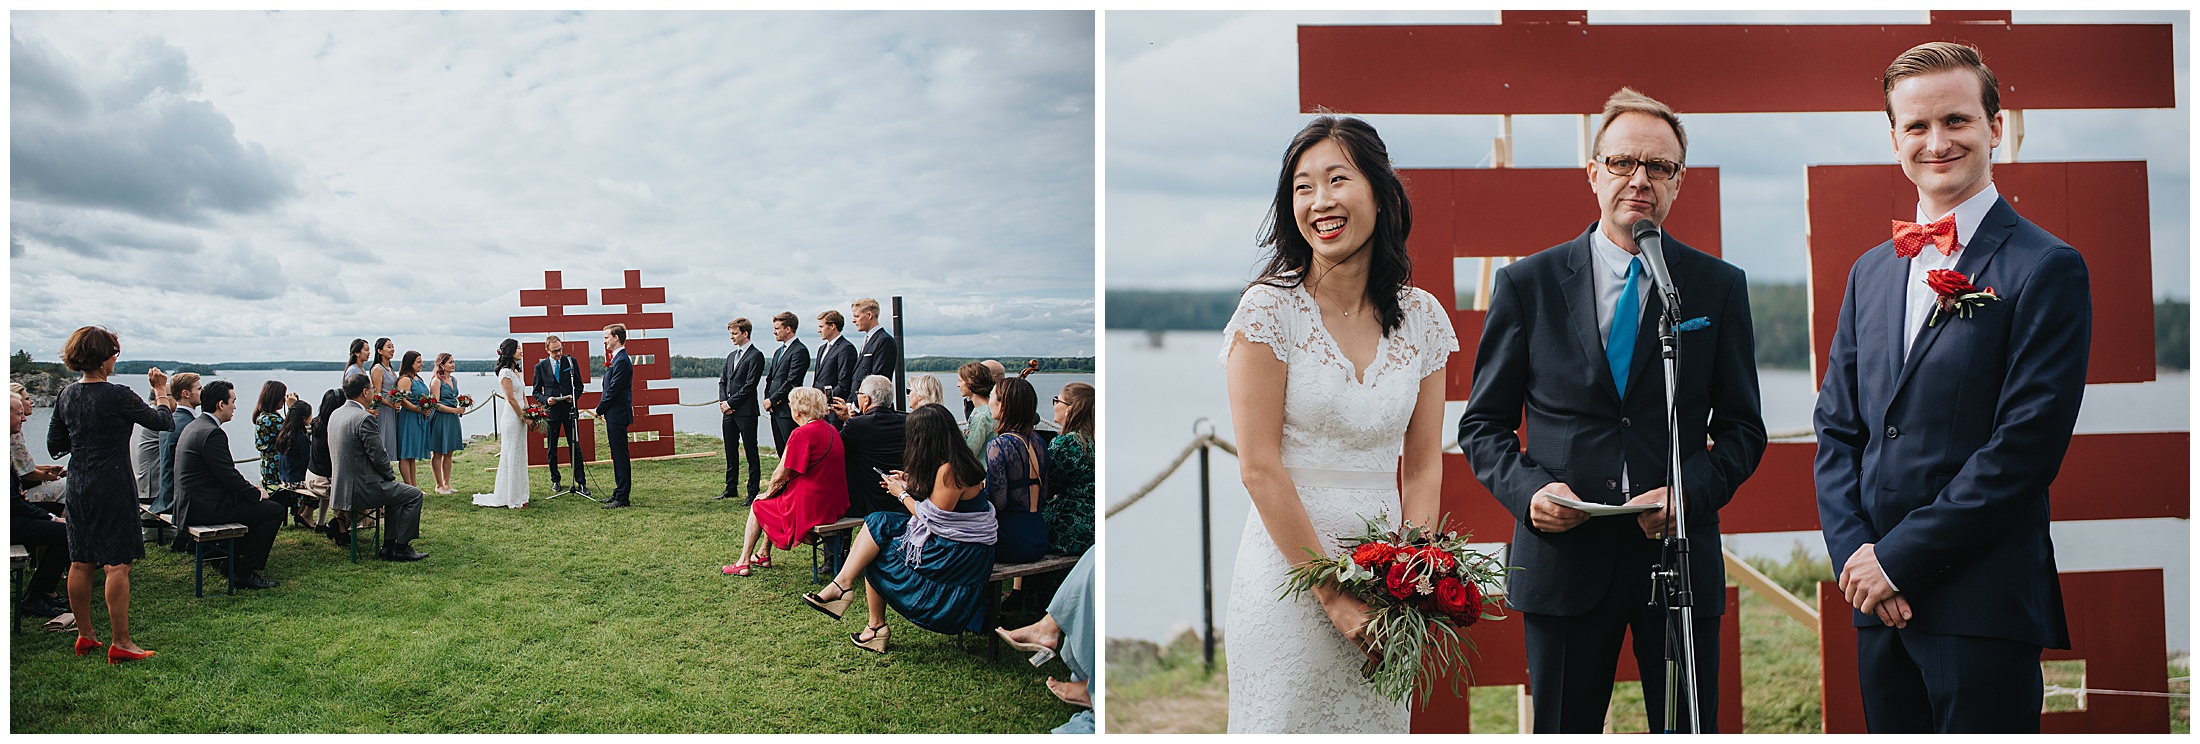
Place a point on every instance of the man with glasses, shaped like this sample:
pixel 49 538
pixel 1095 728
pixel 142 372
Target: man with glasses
pixel 1572 339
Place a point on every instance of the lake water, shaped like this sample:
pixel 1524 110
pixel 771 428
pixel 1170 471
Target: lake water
pixel 309 385
pixel 1156 393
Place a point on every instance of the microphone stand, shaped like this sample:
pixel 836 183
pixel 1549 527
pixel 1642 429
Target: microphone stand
pixel 1670 579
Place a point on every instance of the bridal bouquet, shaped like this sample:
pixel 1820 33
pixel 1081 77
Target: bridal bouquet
pixel 536 417
pixel 465 402
pixel 423 401
pixel 1421 588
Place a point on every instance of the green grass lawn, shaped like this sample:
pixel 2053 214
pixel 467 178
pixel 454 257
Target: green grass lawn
pixel 560 617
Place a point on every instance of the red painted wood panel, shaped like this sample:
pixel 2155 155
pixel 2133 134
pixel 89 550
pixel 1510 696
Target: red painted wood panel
pixel 2099 208
pixel 1567 68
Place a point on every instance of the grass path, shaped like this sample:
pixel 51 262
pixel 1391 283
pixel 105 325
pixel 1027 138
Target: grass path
pixel 560 617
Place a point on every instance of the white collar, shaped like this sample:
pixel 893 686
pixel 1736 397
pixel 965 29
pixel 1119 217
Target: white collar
pixel 1968 214
pixel 1608 254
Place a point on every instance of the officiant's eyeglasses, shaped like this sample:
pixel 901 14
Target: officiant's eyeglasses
pixel 1624 166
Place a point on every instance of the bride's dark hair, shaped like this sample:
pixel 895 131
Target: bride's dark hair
pixel 507 355
pixel 1389 266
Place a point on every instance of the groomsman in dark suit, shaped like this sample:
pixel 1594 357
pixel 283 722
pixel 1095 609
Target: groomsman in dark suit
pixel 1943 419
pixel 557 387
pixel 836 358
pixel 881 356
pixel 185 388
pixel 737 407
pixel 1571 338
pixel 616 410
pixel 211 491
pixel 789 364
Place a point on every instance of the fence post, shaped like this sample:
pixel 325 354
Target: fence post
pixel 1206 544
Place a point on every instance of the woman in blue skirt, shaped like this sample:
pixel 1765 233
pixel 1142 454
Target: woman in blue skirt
pixel 931 564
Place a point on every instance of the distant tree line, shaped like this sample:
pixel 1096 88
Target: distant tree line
pixel 1780 312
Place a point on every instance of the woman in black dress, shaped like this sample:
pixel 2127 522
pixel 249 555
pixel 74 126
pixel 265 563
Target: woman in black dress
pixel 91 420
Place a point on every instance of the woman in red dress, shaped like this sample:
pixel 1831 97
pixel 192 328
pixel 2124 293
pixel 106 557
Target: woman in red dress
pixel 810 487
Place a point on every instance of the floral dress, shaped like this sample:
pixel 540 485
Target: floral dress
pixel 264 428
pixel 1069 513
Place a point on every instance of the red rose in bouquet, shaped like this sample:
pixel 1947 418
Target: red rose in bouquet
pixel 1451 597
pixel 1370 555
pixel 1399 580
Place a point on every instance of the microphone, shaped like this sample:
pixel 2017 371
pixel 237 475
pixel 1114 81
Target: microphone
pixel 1652 242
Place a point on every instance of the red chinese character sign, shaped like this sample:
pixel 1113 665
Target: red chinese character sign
pixel 582 334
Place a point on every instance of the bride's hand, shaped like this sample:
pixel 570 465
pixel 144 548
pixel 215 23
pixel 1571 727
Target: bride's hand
pixel 1349 615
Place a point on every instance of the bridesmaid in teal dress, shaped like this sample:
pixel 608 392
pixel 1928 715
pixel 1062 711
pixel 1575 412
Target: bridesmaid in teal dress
pixel 444 434
pixel 412 421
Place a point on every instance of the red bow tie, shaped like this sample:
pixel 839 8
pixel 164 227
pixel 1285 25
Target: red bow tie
pixel 1910 238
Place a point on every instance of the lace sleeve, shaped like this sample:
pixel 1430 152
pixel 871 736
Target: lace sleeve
pixel 1263 315
pixel 1432 333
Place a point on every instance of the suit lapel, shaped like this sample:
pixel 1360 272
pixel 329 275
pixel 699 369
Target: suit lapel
pixel 1646 325
pixel 1992 232
pixel 1581 310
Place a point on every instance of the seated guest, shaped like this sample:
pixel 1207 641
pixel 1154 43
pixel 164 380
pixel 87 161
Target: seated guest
pixel 1015 473
pixel 184 387
pixel 317 464
pixel 873 439
pixel 361 477
pixel 1067 629
pixel 35 528
pixel 1070 511
pixel 267 423
pixel 975 381
pixel 47 493
pixel 212 492
pixel 293 450
pixel 930 564
pixel 809 488
pixel 925 390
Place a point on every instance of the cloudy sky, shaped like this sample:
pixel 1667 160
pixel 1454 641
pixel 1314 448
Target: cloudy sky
pixel 1200 105
pixel 267 186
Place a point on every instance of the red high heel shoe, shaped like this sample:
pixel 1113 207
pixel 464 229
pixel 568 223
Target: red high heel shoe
pixel 117 655
pixel 85 646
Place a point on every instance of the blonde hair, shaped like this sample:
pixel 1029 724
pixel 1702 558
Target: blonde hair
pixel 807 402
pixel 1935 56
pixel 1629 101
pixel 864 304
pixel 925 389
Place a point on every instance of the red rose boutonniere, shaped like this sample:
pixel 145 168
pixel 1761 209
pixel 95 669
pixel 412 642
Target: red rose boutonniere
pixel 1957 295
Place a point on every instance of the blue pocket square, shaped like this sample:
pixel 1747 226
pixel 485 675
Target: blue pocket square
pixel 1696 324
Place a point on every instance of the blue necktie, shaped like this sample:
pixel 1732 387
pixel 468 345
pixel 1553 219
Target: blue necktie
pixel 1619 349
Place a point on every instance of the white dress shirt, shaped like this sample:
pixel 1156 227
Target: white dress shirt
pixel 1609 270
pixel 1918 302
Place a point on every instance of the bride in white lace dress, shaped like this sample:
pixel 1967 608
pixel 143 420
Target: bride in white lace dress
pixel 511 488
pixel 1334 370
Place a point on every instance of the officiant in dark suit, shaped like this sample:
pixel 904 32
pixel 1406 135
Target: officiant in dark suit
pixel 789 364
pixel 881 355
pixel 836 358
pixel 211 491
pixel 558 379
pixel 615 408
pixel 1571 338
pixel 737 408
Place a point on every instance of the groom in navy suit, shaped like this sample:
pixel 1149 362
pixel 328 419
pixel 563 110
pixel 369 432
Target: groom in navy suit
pixel 616 408
pixel 1571 338
pixel 1941 423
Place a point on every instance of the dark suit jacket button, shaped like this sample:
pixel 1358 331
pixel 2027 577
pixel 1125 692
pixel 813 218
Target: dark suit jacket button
pixel 1611 485
pixel 1624 423
pixel 1893 432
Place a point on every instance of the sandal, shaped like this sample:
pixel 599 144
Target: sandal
pixel 1040 652
pixel 738 569
pixel 1085 702
pixel 761 560
pixel 876 644
pixel 62 623
pixel 834 608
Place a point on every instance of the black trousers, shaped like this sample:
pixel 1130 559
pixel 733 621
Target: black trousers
pixel 782 428
pixel 740 434
pixel 1572 659
pixel 1919 683
pixel 262 518
pixel 33 534
pixel 621 468
pixel 569 428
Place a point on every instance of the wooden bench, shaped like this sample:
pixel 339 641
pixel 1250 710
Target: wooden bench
pixel 1011 572
pixel 222 537
pixel 354 523
pixel 830 549
pixel 18 556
